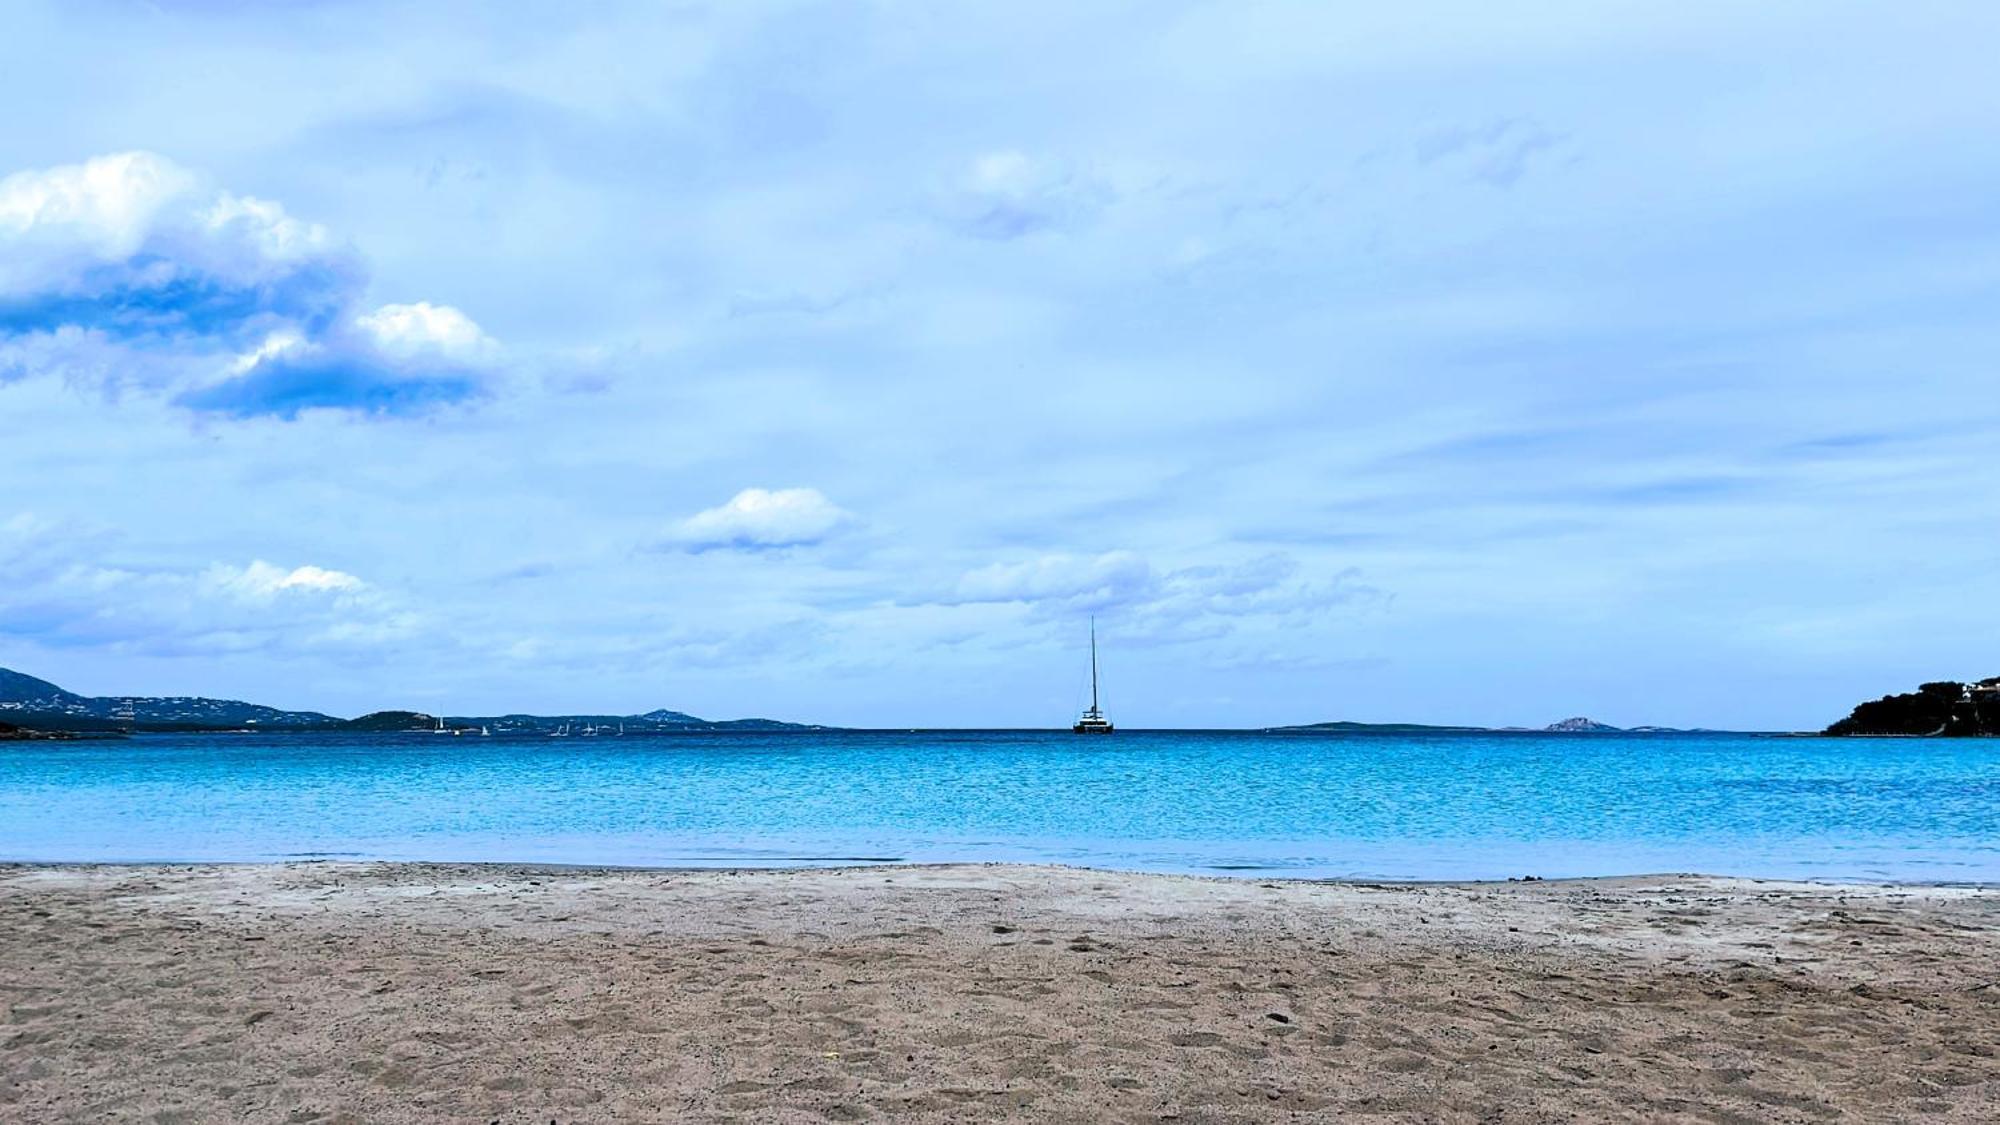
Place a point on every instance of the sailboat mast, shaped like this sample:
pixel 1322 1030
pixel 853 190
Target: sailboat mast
pixel 1093 720
pixel 1093 663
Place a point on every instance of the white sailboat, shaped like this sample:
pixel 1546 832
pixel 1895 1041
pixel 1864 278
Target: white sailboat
pixel 1093 720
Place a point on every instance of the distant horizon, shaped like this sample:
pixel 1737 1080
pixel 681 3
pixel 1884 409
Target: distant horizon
pixel 1056 722
pixel 459 715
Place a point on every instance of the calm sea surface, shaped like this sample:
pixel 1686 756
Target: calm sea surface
pixel 1370 806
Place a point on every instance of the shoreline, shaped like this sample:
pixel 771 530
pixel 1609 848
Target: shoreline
pixel 339 991
pixel 845 866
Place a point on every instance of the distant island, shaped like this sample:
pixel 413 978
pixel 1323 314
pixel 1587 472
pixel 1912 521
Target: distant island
pixel 1941 709
pixel 1577 725
pixel 34 708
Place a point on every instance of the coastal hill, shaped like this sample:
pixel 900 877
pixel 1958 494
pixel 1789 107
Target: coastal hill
pixel 29 702
pixel 35 705
pixel 1581 725
pixel 1942 708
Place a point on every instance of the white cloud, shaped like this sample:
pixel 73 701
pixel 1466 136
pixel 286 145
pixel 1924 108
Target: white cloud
pixel 152 224
pixel 414 329
pixel 264 226
pixel 261 581
pixel 275 345
pixel 102 209
pixel 761 519
pixel 130 269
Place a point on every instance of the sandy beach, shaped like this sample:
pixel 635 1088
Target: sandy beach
pixel 425 993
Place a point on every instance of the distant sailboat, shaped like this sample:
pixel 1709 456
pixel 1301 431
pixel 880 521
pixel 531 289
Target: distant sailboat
pixel 1093 720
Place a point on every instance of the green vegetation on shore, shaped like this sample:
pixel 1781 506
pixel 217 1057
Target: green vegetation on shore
pixel 1942 708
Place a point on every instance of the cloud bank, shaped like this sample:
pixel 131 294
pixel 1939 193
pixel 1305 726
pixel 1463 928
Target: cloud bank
pixel 60 595
pixel 1186 603
pixel 1111 579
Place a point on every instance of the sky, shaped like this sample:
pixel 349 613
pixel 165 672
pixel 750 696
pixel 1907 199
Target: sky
pixel 1439 362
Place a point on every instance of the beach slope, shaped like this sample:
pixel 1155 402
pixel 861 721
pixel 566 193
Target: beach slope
pixel 425 993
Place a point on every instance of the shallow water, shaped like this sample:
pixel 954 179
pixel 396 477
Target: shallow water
pixel 1356 806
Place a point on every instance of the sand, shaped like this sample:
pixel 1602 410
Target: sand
pixel 433 993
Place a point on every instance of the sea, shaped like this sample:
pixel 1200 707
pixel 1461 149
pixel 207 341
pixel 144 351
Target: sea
pixel 1366 806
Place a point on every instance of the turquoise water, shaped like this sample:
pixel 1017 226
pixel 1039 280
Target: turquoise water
pixel 1358 806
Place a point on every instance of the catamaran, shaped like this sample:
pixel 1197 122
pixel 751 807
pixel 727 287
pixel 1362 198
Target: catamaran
pixel 1093 720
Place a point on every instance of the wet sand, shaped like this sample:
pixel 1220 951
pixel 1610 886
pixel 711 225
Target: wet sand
pixel 428 993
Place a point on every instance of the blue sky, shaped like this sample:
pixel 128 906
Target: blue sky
pixel 1457 362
